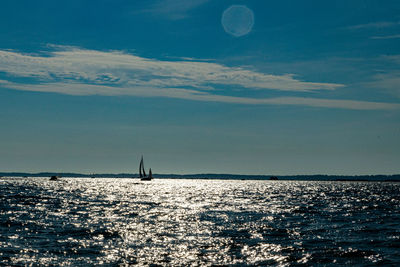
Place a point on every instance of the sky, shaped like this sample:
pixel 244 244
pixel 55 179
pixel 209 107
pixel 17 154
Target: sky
pixel 200 86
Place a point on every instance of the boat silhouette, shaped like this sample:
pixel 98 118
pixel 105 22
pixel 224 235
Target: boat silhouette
pixel 54 178
pixel 142 172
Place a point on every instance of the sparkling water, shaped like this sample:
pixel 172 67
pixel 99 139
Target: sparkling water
pixel 176 222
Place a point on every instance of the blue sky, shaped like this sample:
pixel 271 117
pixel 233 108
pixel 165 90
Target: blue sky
pixel 276 87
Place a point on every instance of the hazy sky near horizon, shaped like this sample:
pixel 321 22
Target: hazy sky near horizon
pixel 201 86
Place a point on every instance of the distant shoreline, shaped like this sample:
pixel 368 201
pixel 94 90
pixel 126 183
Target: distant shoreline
pixel 314 177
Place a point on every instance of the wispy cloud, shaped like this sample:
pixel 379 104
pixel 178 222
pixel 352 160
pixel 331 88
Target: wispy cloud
pixel 374 25
pixel 119 68
pixel 395 36
pixel 179 93
pixel 388 78
pixel 174 9
pixel 391 58
pixel 378 27
pixel 389 81
pixel 76 71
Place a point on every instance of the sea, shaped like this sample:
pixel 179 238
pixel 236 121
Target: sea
pixel 198 222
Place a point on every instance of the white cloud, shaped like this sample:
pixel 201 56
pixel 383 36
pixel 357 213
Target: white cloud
pixel 120 68
pixel 75 71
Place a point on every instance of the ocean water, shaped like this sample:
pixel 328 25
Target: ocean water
pixel 173 222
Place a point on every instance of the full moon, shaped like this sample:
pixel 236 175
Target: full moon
pixel 237 20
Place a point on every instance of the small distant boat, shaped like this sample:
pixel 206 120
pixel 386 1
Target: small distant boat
pixel 142 172
pixel 54 178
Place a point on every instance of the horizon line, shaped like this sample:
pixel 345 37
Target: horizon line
pixel 190 174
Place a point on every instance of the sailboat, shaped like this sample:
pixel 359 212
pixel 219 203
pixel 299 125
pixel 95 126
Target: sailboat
pixel 142 172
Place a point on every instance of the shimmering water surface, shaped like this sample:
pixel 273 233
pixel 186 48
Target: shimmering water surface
pixel 198 222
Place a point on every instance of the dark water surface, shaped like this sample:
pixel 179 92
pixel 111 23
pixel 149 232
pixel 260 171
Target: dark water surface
pixel 198 222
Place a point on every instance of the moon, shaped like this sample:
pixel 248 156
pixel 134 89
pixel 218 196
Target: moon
pixel 237 20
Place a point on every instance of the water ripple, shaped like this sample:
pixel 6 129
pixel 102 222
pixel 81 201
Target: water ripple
pixel 198 222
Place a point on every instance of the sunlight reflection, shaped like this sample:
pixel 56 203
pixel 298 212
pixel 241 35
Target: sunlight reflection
pixel 184 222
